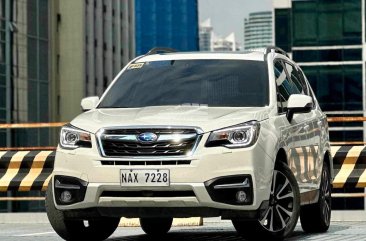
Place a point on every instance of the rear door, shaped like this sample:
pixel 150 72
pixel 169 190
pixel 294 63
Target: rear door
pixel 317 123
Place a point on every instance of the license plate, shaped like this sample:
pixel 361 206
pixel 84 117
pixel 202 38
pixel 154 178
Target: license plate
pixel 145 177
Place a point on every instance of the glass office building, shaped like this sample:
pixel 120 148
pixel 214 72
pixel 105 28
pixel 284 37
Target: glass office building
pixel 26 56
pixel 166 23
pixel 24 69
pixel 2 73
pixel 327 39
pixel 52 54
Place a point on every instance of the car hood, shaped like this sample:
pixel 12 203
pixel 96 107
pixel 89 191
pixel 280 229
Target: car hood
pixel 206 118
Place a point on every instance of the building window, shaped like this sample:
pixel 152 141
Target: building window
pixel 337 88
pixel 105 82
pixel 327 55
pixel 336 22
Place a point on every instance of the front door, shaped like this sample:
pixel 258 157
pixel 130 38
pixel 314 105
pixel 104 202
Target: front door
pixel 295 134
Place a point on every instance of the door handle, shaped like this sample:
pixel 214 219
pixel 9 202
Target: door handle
pixel 306 127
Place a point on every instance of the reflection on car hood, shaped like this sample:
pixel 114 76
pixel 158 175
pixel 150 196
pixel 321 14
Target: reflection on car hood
pixel 207 118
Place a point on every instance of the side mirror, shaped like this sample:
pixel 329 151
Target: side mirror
pixel 89 103
pixel 298 104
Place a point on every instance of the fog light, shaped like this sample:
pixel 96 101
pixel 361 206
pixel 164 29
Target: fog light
pixel 66 196
pixel 241 196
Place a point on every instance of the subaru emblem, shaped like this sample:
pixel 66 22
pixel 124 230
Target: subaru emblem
pixel 147 137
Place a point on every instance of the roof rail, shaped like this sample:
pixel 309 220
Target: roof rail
pixel 269 49
pixel 157 50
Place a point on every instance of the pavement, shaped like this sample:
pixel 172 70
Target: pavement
pixel 213 229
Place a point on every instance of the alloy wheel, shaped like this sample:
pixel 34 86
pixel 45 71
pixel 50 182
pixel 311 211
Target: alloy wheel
pixel 326 197
pixel 281 204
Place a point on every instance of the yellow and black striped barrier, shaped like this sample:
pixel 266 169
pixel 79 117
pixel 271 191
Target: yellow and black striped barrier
pixel 25 170
pixel 31 170
pixel 349 164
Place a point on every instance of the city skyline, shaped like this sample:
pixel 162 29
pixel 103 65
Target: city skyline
pixel 228 16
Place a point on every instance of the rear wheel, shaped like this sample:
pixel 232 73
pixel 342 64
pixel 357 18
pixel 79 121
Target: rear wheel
pixel 315 218
pixel 280 218
pixel 78 229
pixel 156 226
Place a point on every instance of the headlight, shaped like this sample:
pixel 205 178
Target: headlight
pixel 72 138
pixel 242 135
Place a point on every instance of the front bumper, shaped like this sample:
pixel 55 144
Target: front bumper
pixel 205 164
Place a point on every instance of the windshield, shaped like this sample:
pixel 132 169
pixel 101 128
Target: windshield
pixel 217 83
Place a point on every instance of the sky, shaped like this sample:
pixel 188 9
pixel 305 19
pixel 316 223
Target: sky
pixel 228 15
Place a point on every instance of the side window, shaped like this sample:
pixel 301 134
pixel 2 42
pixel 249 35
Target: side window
pixel 304 82
pixel 298 86
pixel 284 86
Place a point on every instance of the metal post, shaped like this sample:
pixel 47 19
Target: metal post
pixel 8 69
pixel 38 84
pixel 8 80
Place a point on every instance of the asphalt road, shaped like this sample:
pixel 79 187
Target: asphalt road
pixel 212 230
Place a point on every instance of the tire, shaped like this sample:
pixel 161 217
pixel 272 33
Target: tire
pixel 315 218
pixel 74 229
pixel 284 207
pixel 156 226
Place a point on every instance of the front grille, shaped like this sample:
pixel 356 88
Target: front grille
pixel 169 142
pixel 146 163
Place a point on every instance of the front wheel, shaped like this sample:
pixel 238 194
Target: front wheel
pixel 280 218
pixel 156 226
pixel 77 229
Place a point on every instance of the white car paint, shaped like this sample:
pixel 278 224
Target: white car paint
pixel 304 139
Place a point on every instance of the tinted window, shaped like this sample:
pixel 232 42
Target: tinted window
pixel 289 81
pixel 284 86
pixel 297 84
pixel 304 82
pixel 191 82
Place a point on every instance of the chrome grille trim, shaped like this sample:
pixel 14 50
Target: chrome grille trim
pixel 167 146
pixel 146 163
pixel 161 138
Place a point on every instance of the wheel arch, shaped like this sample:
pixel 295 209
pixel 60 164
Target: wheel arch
pixel 327 158
pixel 281 156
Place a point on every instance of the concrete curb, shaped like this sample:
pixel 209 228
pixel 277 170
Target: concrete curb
pixel 41 218
pixel 23 218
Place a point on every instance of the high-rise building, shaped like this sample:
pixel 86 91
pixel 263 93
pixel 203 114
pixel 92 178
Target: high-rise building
pixel 205 35
pixel 52 54
pixel 93 40
pixel 24 70
pixel 209 41
pixel 228 43
pixel 166 23
pixel 24 79
pixel 327 40
pixel 258 30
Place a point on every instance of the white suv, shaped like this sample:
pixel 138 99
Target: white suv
pixel 236 135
